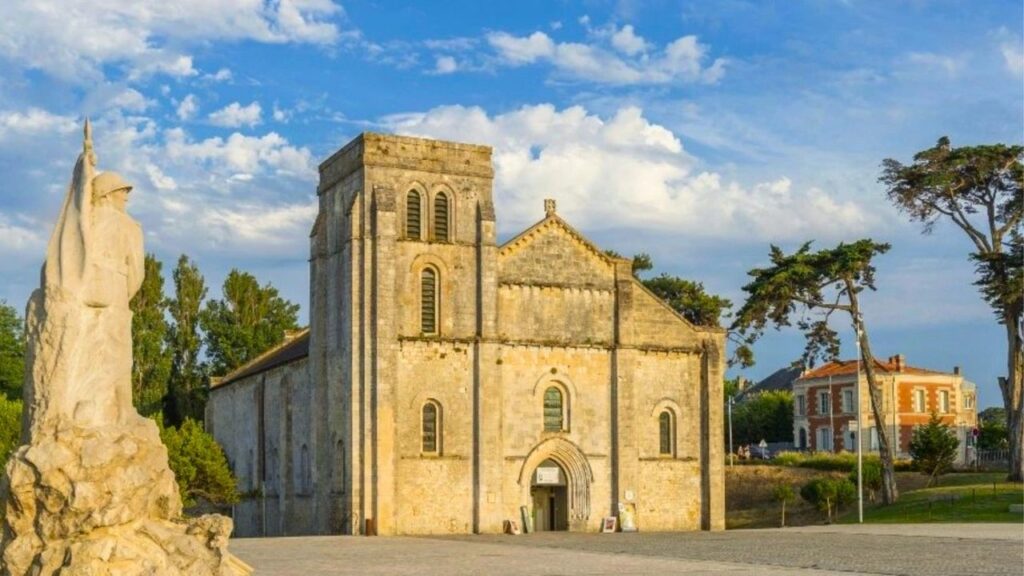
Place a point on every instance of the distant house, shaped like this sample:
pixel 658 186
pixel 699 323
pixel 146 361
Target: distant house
pixel 825 405
pixel 781 379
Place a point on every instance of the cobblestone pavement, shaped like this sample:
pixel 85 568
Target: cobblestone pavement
pixel 925 550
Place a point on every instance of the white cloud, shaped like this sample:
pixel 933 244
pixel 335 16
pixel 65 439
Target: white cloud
pixel 234 115
pixel 624 171
pixel 16 238
pixel 131 100
pixel 160 180
pixel 75 40
pixel 188 107
pixel 1013 56
pixel 445 65
pixel 627 59
pixel 241 154
pixel 35 121
pixel 222 75
pixel 627 42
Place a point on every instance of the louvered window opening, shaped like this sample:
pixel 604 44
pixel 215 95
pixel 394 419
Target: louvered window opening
pixel 665 433
pixel 430 428
pixel 553 421
pixel 441 217
pixel 412 215
pixel 428 302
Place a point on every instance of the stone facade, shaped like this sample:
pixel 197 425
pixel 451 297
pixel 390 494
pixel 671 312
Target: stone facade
pixel 427 397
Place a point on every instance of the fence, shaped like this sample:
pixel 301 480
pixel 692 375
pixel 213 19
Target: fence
pixel 993 459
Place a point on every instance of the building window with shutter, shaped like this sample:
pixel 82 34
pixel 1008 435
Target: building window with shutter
pixel 413 213
pixel 554 410
pixel 824 403
pixel 428 301
pixel 848 401
pixel 441 217
pixel 919 404
pixel 801 405
pixel 431 428
pixel 944 401
pixel 666 434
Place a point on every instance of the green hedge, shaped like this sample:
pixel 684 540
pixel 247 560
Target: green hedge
pixel 838 462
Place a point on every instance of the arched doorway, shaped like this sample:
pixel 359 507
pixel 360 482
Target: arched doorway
pixel 549 496
pixel 575 479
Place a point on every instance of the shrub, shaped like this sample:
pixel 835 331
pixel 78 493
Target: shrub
pixel 829 462
pixel 871 477
pixel 933 447
pixel 199 465
pixel 10 426
pixel 783 493
pixel 827 494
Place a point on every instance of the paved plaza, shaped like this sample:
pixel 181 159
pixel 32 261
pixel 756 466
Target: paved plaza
pixel 925 550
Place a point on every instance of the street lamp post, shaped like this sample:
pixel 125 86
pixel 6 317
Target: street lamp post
pixel 860 439
pixel 730 431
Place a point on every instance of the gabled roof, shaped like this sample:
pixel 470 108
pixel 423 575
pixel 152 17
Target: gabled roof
pixel 553 219
pixel 781 379
pixel 294 347
pixel 849 368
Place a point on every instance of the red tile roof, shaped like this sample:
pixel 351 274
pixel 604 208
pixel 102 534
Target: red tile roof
pixel 849 367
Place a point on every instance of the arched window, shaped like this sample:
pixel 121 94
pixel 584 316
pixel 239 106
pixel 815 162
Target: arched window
pixel 441 216
pixel 412 215
pixel 431 428
pixel 554 410
pixel 666 434
pixel 428 301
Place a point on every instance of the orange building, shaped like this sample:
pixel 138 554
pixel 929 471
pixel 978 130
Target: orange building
pixel 825 405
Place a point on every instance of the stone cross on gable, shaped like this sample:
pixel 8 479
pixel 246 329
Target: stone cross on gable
pixel 549 206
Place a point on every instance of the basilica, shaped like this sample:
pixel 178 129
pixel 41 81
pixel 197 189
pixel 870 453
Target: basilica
pixel 449 383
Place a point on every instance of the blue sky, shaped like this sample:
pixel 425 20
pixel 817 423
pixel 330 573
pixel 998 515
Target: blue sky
pixel 699 132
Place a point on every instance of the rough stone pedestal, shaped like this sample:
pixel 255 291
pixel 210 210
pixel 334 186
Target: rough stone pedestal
pixel 103 502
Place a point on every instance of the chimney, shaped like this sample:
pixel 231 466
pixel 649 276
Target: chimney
pixel 741 383
pixel 956 370
pixel 900 360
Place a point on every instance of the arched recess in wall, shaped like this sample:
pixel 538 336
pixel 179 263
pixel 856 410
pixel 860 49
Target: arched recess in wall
pixel 577 469
pixel 676 424
pixel 416 298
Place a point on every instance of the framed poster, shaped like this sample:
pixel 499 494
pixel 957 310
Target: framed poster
pixel 609 524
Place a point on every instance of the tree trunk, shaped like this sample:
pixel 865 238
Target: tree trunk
pixel 783 514
pixel 1013 390
pixel 885 450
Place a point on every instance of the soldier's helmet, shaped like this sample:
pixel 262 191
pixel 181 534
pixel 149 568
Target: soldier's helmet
pixel 108 182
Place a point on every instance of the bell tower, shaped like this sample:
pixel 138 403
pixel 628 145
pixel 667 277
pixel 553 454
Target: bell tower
pixel 403 251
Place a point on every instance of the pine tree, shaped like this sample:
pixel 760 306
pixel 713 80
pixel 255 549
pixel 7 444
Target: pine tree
pixel 933 448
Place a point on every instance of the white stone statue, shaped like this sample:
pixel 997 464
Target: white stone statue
pixel 79 322
pixel 90 492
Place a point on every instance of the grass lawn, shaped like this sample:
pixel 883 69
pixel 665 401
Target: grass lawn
pixel 966 497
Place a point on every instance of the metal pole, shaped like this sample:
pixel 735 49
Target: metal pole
pixel 831 418
pixel 730 432
pixel 860 441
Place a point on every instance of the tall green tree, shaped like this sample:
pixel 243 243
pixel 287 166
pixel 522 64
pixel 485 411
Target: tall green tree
pixel 809 287
pixel 249 319
pixel 10 426
pixel 185 391
pixel 979 189
pixel 692 301
pixel 12 351
pixel 150 352
pixel 933 448
pixel 763 416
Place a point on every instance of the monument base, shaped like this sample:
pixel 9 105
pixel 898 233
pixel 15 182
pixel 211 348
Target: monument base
pixel 103 501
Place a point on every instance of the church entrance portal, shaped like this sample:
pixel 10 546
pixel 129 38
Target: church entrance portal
pixel 550 497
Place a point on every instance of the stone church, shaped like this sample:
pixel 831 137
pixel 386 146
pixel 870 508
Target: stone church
pixel 451 384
